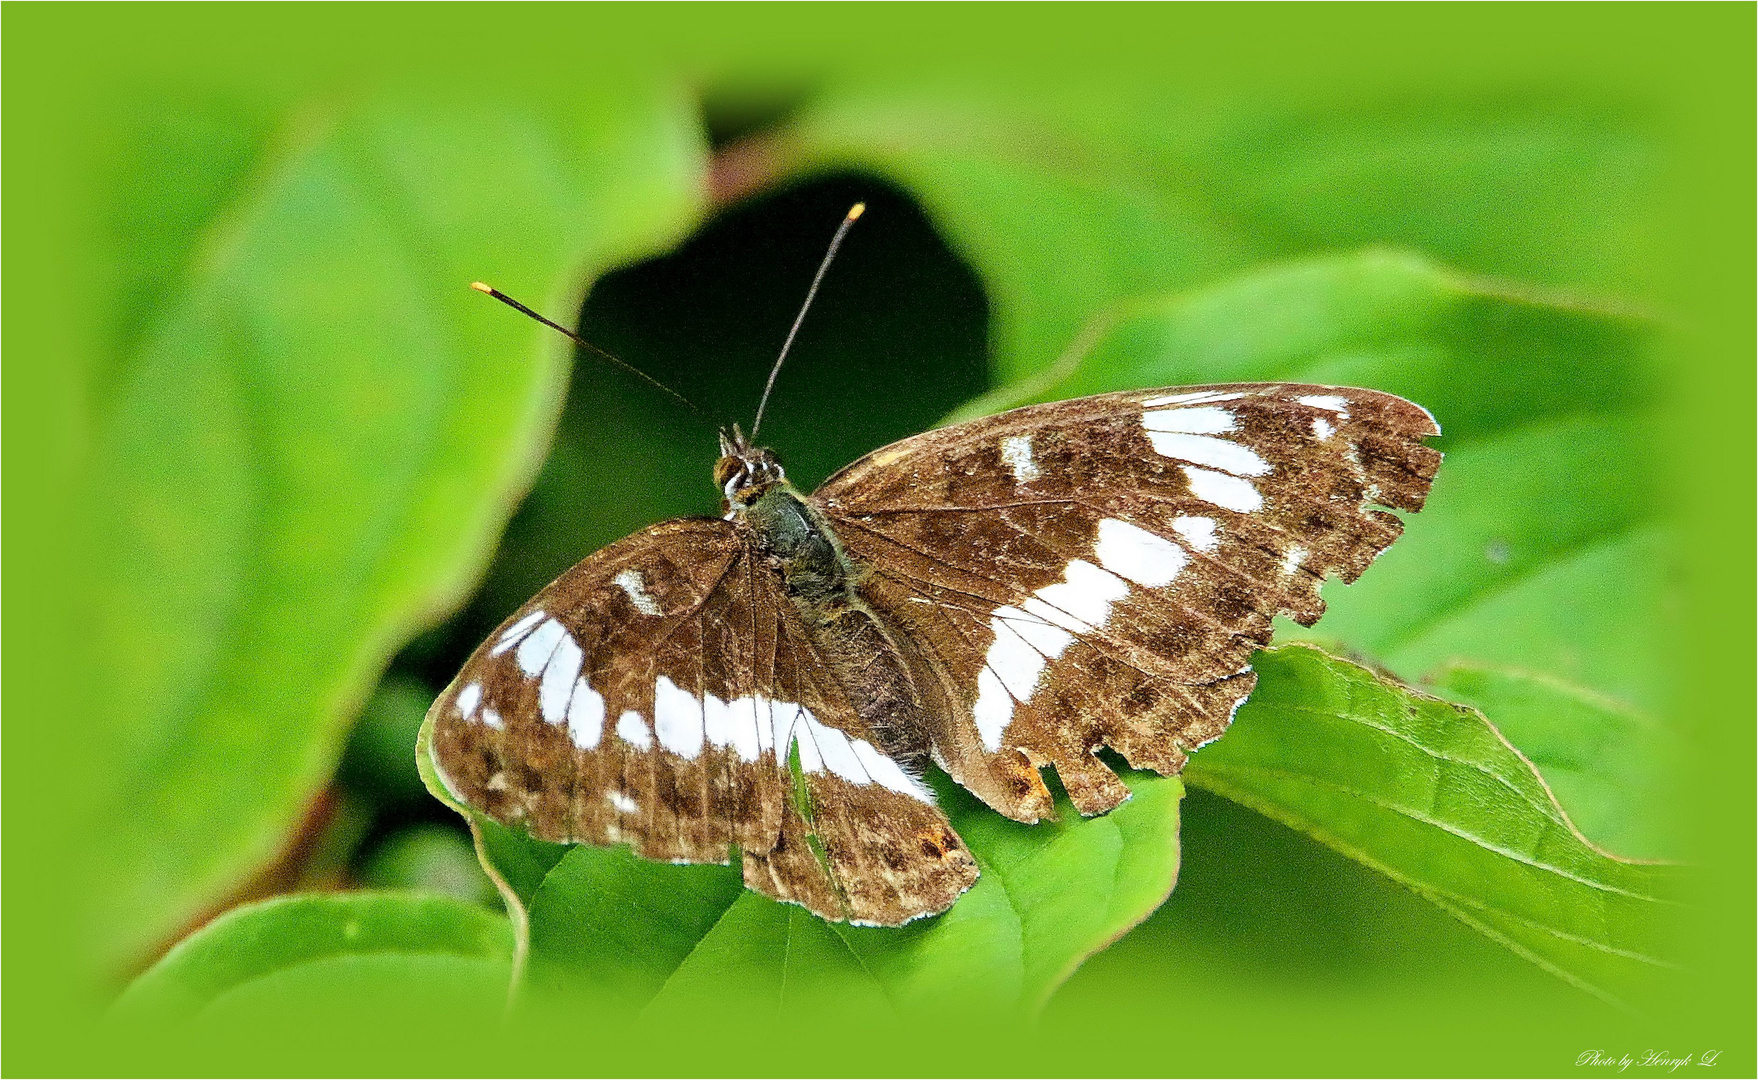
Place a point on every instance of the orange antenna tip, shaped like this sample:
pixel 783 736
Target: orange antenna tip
pixel 848 220
pixel 480 287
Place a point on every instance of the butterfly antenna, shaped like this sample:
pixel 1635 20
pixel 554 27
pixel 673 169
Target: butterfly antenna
pixel 583 343
pixel 854 212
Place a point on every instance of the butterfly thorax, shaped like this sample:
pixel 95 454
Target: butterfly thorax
pixel 797 542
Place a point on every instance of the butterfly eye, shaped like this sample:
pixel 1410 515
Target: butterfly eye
pixel 727 468
pixel 733 484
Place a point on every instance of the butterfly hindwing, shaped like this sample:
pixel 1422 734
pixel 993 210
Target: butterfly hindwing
pixel 663 693
pixel 1097 572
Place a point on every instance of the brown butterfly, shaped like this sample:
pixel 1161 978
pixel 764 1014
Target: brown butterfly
pixel 993 597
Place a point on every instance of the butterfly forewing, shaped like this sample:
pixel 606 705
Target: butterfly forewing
pixel 1097 572
pixel 662 693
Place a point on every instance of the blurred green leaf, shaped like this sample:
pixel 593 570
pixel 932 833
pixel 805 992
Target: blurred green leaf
pixel 1611 767
pixel 1433 796
pixel 173 163
pixel 379 760
pixel 318 439
pixel 326 957
pixel 1273 931
pixel 1069 198
pixel 431 858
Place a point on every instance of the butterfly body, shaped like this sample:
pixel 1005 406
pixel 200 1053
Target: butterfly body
pixel 799 545
pixel 1018 591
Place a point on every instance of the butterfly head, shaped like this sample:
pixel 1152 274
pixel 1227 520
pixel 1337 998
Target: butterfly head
pixel 744 471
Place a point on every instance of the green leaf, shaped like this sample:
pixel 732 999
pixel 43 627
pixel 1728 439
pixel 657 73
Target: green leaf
pixel 379 761
pixel 328 952
pixel 623 932
pixel 1540 550
pixel 1432 795
pixel 172 163
pixel 1610 766
pixel 318 438
pixel 1069 198
pixel 432 858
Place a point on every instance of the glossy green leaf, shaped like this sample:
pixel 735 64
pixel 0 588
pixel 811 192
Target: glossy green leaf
pixel 317 439
pixel 624 932
pixel 328 952
pixel 1611 767
pixel 1432 795
pixel 1070 198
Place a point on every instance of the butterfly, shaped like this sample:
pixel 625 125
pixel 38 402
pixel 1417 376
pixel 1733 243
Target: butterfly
pixel 990 598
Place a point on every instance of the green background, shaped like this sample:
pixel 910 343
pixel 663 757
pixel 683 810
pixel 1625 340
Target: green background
pixel 1288 981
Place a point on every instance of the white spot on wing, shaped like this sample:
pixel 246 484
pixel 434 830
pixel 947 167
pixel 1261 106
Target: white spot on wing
pixel 1208 450
pixel 781 727
pixel 1202 420
pixel 822 748
pixel 789 721
pixel 1016 451
pixel 1328 402
pixel 743 733
pixel 558 680
pixel 839 757
pixel 993 710
pixel 631 582
pixel 1192 398
pixel 515 632
pixel 535 651
pixel 468 699
pixel 492 719
pixel 1014 661
pixel 1228 492
pixel 888 773
pixel 1132 552
pixel 810 759
pixel 1199 532
pixel 1086 592
pixel 632 729
pixel 585 716
pixel 622 803
pixel 1041 634
pixel 677 719
pixel 1322 428
pixel 1291 561
pixel 717 721
pixel 760 719
pixel 1036 632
